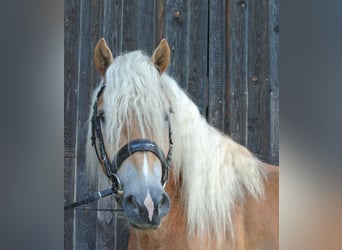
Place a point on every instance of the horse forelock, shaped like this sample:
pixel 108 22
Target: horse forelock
pixel 133 92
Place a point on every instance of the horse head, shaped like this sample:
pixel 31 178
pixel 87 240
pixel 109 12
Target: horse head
pixel 131 124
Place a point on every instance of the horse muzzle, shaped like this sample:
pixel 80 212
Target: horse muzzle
pixel 146 211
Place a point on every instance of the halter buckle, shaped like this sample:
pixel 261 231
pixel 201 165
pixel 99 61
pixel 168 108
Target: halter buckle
pixel 117 188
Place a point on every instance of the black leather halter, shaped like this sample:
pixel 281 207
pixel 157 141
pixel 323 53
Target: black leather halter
pixel 139 145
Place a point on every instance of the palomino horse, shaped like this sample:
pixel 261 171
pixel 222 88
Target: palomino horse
pixel 181 183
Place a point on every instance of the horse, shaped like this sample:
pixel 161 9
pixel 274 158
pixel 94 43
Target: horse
pixel 181 183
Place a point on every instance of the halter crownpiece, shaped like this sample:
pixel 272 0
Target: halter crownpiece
pixel 138 145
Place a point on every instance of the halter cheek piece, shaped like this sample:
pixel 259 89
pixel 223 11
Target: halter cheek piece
pixel 138 145
pixel 111 167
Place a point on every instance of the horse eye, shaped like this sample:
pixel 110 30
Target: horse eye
pixel 102 117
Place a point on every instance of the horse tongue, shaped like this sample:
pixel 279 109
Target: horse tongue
pixel 148 202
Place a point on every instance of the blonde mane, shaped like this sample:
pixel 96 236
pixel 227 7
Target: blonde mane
pixel 216 171
pixel 133 91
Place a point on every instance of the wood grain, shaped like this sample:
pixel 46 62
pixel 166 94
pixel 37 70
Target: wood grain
pixel 237 70
pixel 71 45
pixel 224 54
pixel 217 63
pixel 176 27
pixel 130 26
pixel 273 32
pixel 197 68
pixel 91 23
pixel 112 25
pixel 258 78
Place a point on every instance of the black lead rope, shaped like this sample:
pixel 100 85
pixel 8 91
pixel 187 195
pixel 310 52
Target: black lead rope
pixel 91 198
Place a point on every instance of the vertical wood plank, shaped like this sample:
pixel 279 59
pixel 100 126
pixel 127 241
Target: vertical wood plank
pixel 197 53
pixel 106 225
pixel 112 25
pixel 91 28
pixel 217 63
pixel 273 156
pixel 130 26
pixel 237 102
pixel 258 79
pixel 71 34
pixel 160 12
pixel 122 235
pixel 146 26
pixel 69 175
pixel 176 27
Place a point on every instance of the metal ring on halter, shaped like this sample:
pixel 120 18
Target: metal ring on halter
pixel 165 179
pixel 118 192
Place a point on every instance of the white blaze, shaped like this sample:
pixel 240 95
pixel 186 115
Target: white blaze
pixel 148 202
pixel 145 167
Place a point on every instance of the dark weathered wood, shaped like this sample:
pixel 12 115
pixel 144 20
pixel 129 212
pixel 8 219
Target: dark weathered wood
pixel 106 223
pixel 69 175
pixel 122 235
pixel 146 26
pixel 258 79
pixel 273 32
pixel 130 26
pixel 160 9
pixel 71 45
pixel 237 70
pixel 112 25
pixel 197 53
pixel 217 63
pixel 91 28
pixel 177 35
pixel 71 35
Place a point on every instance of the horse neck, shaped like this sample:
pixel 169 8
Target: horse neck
pixel 216 171
pixel 198 143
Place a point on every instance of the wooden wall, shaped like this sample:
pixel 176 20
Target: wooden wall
pixel 224 54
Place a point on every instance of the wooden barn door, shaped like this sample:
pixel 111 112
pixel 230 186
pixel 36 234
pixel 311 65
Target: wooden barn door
pixel 224 54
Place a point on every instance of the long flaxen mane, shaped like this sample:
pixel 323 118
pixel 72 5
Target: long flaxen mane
pixel 132 92
pixel 216 172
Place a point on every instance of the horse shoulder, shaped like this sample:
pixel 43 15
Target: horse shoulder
pixel 260 222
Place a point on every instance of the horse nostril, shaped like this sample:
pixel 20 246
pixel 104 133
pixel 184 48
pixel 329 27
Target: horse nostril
pixel 131 201
pixel 164 203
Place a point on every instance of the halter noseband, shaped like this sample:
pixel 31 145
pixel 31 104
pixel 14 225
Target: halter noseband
pixel 138 145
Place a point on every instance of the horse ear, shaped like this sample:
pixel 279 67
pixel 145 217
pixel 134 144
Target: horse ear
pixel 161 56
pixel 102 56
